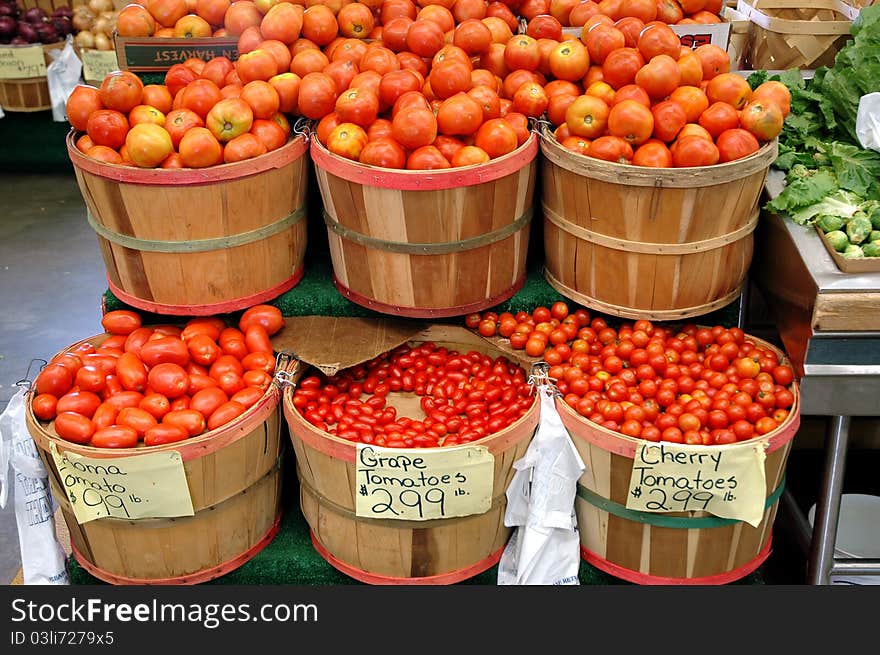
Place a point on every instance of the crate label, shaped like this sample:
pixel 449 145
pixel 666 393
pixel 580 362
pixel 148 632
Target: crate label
pixel 691 36
pixel 144 55
pixel 143 486
pixel 423 484
pixel 97 64
pixel 727 481
pixel 22 62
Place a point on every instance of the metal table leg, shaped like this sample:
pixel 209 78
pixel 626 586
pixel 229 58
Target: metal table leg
pixel 828 505
pixel 743 309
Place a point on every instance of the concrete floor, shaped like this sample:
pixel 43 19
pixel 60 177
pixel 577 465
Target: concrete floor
pixel 51 281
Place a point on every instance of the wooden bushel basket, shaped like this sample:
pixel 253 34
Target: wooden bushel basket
pixel 681 548
pixel 648 243
pixel 197 242
pixel 390 552
pixel 428 243
pixel 796 33
pixel 29 94
pixel 234 481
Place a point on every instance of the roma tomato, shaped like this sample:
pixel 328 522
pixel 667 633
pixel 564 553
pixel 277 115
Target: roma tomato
pixel 81 402
pixel 257 340
pixel 225 413
pixel 155 404
pixel 165 350
pixel 136 418
pixel 74 427
pixel 44 406
pixel 55 379
pixel 168 379
pixel 121 321
pixel 115 436
pixel 164 433
pixel 190 420
pixel 131 372
pixel 207 400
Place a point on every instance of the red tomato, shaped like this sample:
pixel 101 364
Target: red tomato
pixel 74 427
pixel 165 349
pixel 131 372
pixel 121 321
pixel 257 340
pixel 188 419
pixel 138 419
pixel 164 433
pixel 168 379
pixel 44 406
pixel 81 402
pixel 225 413
pixel 115 436
pixel 248 396
pixel 104 416
pixel 207 400
pixel 155 404
pixel 203 349
pixel 55 379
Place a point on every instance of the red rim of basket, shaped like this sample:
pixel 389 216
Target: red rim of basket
pixel 225 307
pixel 278 158
pixel 427 312
pixel 192 448
pixel 194 578
pixel 434 180
pixel 620 444
pixel 375 579
pixel 646 579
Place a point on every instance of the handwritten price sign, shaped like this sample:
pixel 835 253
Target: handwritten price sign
pixel 728 482
pixel 433 484
pixel 145 486
pixel 22 62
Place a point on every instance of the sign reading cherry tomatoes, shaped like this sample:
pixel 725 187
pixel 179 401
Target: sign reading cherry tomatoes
pixel 728 481
pixel 423 484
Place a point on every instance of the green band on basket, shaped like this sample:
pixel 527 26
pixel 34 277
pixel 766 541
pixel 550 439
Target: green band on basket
pixel 662 520
pixel 439 248
pixel 197 245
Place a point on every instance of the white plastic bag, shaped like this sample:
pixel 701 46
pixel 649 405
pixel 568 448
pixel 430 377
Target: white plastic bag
pixel 21 470
pixel 63 74
pixel 544 548
pixel 868 121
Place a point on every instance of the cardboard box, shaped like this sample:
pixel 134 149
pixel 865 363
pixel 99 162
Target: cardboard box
pixel 145 55
pixel 866 265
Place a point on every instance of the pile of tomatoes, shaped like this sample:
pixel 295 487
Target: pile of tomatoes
pixel 464 397
pixel 159 384
pixel 429 84
pixel 688 384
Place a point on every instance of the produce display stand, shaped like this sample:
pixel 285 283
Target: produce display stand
pixel 829 323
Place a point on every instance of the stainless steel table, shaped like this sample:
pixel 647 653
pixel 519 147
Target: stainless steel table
pixel 839 369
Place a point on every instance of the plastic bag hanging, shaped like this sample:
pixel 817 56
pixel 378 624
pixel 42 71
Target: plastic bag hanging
pixel 62 75
pixel 545 547
pixel 21 470
pixel 868 121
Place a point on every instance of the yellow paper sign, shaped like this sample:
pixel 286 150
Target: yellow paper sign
pixel 22 62
pixel 423 484
pixel 726 481
pixel 152 485
pixel 97 64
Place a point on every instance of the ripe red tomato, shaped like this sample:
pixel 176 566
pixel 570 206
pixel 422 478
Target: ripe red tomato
pixel 55 379
pixel 115 436
pixel 190 420
pixel 164 433
pixel 136 418
pixel 74 427
pixel 225 413
pixel 80 402
pixel 165 349
pixel 168 379
pixel 121 321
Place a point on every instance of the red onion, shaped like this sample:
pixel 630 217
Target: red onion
pixel 8 27
pixel 28 32
pixel 35 15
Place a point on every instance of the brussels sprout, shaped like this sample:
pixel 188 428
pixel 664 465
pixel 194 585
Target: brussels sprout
pixel 874 236
pixel 838 240
pixel 871 209
pixel 871 249
pixel 858 228
pixel 853 251
pixel 830 222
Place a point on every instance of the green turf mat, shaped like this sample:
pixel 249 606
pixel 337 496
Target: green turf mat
pixel 33 143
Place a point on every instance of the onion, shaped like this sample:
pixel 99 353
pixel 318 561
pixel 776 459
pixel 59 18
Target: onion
pixel 28 32
pixel 85 40
pixel 19 40
pixel 83 19
pixel 101 26
pixel 47 33
pixel 8 27
pixel 64 11
pixel 103 42
pixel 97 6
pixel 62 25
pixel 35 15
pixel 9 10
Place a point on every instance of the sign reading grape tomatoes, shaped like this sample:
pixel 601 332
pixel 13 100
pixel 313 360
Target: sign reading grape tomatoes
pixel 423 484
